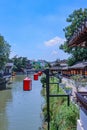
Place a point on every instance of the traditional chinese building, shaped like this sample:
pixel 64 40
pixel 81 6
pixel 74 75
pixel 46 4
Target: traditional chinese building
pixel 79 38
pixel 78 68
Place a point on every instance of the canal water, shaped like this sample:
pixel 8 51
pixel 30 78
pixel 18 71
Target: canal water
pixel 21 110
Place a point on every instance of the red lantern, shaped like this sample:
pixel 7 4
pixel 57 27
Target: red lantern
pixel 36 76
pixel 40 73
pixel 27 84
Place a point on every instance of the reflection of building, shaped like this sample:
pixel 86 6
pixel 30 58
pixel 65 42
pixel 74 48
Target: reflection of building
pixel 79 38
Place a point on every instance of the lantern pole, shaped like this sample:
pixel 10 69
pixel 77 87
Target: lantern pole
pixel 47 95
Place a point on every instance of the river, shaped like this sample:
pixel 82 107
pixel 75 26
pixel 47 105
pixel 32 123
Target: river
pixel 21 110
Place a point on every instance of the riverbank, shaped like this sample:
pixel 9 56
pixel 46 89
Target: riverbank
pixel 4 79
pixel 2 83
pixel 62 116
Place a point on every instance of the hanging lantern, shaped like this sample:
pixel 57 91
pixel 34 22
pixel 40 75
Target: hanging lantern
pixel 36 76
pixel 40 73
pixel 27 84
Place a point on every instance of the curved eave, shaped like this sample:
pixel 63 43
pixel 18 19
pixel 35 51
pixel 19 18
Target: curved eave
pixel 79 37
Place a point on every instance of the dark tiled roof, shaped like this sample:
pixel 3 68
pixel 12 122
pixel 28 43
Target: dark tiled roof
pixel 79 65
pixel 65 68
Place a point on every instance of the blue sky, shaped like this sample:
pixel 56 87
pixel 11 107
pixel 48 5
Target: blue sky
pixel 34 28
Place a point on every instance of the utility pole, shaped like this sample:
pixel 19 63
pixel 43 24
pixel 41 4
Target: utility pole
pixel 47 95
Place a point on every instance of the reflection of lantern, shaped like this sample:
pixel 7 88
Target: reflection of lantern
pixel 27 84
pixel 36 76
pixel 40 73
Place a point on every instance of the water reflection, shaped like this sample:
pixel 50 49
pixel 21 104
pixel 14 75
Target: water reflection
pixel 20 110
pixel 5 97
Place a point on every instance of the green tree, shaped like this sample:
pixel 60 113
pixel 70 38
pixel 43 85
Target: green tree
pixel 19 63
pixel 75 19
pixel 47 65
pixel 43 80
pixel 37 66
pixel 4 52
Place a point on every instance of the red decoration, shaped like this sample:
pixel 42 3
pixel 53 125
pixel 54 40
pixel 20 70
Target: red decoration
pixel 27 84
pixel 36 76
pixel 40 73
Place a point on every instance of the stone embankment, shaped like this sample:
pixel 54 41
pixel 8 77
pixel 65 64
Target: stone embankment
pixel 2 83
pixel 76 86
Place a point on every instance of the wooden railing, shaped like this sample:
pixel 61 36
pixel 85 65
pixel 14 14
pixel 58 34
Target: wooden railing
pixel 82 99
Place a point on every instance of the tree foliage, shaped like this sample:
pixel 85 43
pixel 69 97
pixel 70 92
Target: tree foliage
pixel 36 65
pixel 4 52
pixel 75 19
pixel 19 63
pixel 43 80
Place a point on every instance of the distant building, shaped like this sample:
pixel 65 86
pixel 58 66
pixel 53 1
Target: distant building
pixel 63 63
pixel 59 63
pixel 8 68
pixel 29 64
pixel 42 62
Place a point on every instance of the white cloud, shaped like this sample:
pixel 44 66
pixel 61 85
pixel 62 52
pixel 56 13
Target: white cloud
pixel 55 41
pixel 54 52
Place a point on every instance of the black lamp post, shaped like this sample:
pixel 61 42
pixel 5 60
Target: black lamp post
pixel 48 95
